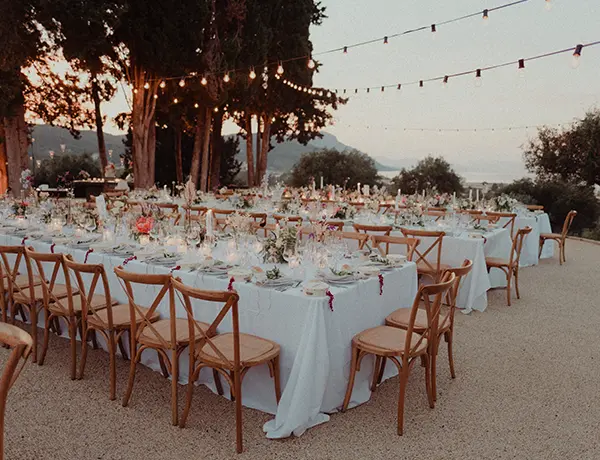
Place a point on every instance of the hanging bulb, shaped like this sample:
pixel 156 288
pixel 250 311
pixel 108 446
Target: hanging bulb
pixel 204 81
pixel 252 74
pixel 226 78
pixel 433 31
pixel 445 81
pixel 486 17
pixel 311 64
pixel 522 68
pixel 345 50
pixel 385 40
pixel 577 56
pixel 548 5
pixel 162 84
pixel 146 85
pixel 182 83
pixel 175 101
pixel 280 69
pixel 421 86
pixel 135 91
pixel 399 86
pixel 156 96
pixel 216 109
pixel 478 81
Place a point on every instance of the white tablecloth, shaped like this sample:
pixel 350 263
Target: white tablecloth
pixel 539 223
pixel 315 342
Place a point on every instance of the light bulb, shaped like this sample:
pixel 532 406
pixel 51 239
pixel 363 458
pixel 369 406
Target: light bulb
pixel 522 68
pixel 445 81
pixel 146 85
pixel 433 31
pixel 311 64
pixel 226 78
pixel 175 101
pixel 203 82
pixel 216 109
pixel 478 81
pixel 252 74
pixel 156 96
pixel 182 83
pixel 576 56
pixel 548 5
pixel 486 18
pixel 280 69
pixel 196 105
pixel 162 84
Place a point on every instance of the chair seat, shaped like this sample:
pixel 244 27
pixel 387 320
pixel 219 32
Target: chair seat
pixel 388 341
pixel 253 350
pixel 497 262
pixel 422 267
pixel 401 317
pixel 98 303
pixel 163 328
pixel 59 291
pixel 23 281
pixel 120 317
pixel 551 236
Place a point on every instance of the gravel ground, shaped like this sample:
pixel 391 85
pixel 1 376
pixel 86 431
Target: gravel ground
pixel 526 388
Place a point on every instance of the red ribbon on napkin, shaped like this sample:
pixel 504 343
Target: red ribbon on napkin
pixel 87 254
pixel 330 295
pixel 129 259
pixel 23 240
pixel 52 247
pixel 230 285
pixel 380 284
pixel 177 267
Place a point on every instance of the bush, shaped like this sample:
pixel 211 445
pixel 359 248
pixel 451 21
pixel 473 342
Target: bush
pixel 558 198
pixel 51 169
pixel 431 173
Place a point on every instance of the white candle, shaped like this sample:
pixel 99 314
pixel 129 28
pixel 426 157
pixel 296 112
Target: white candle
pixel 358 188
pixel 209 223
pixel 477 196
pixel 423 193
pixel 397 200
pixel 470 194
pixel 321 182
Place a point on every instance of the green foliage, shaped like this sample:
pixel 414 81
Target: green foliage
pixel 569 155
pixel 230 167
pixel 50 170
pixel 339 168
pixel 558 198
pixel 430 173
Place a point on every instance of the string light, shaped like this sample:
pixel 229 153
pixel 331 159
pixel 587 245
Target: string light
pixel 196 105
pixel 280 69
pixel 146 85
pixel 445 81
pixel 478 78
pixel 216 109
pixel 485 16
pixel 345 50
pixel 162 84
pixel 433 31
pixel 156 96
pixel 385 40
pixel 226 78
pixel 548 5
pixel 175 101
pixel 203 82
pixel 521 67
pixel 252 74
pixel 182 83
pixel 135 91
pixel 399 86
pixel 311 64
pixel 577 56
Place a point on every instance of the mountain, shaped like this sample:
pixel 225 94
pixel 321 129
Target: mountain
pixel 285 155
pixel 50 138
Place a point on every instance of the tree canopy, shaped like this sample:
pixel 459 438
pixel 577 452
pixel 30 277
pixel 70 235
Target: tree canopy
pixel 430 173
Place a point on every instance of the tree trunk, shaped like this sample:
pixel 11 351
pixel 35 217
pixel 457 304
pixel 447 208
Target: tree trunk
pixel 258 152
pixel 144 131
pixel 264 151
pixel 99 125
pixel 197 150
pixel 3 160
pixel 206 151
pixel 216 152
pixel 249 153
pixel 15 131
pixel 178 161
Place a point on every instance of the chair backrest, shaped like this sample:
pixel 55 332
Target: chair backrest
pixel 360 238
pixel 432 308
pixel 435 248
pixel 373 229
pixel 334 225
pixel 517 245
pixel 87 293
pixel 431 212
pixel 567 224
pixel 534 207
pixel 10 271
pixel 194 213
pixel 258 216
pixel 296 219
pixel 229 299
pixel 57 266
pixel 510 223
pixel 460 273
pixel 380 240
pixel 20 343
pixel 128 280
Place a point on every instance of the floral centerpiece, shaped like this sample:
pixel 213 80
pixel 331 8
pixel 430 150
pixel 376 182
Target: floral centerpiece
pixel 242 202
pixel 151 194
pixel 504 203
pixel 440 200
pixel 84 175
pixel 239 224
pixel 110 171
pixel 20 207
pixel 282 241
pixel 467 205
pixel 344 211
pixel 26 179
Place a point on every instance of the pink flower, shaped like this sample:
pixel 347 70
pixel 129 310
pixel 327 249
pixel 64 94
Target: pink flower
pixel 144 224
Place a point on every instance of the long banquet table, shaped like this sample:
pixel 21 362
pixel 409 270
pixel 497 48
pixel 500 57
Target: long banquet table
pixel 315 341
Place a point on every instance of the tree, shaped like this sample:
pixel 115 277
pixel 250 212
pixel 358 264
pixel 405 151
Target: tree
pixel 230 166
pixel 430 173
pixel 348 167
pixel 571 154
pixel 51 169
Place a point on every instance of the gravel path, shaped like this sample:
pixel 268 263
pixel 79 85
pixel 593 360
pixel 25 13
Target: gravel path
pixel 527 388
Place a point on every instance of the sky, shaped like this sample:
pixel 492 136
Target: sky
pixel 381 124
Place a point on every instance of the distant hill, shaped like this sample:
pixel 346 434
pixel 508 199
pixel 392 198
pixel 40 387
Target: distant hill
pixel 281 159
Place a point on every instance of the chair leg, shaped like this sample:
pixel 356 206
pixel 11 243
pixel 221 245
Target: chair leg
pixel 541 248
pixel 112 364
pixel 401 396
pixel 73 341
pixel 122 347
pixel 46 337
pixel 94 339
pixel 449 340
pixel 517 282
pixel 217 379
pixel 508 285
pixel 381 370
pixel 276 378
pixel 237 383
pixel 84 349
pixel 433 366
pixel 562 251
pixel 353 364
pixel 33 314
pixel 375 373
pixel 174 381
pixel 163 366
pixel 129 389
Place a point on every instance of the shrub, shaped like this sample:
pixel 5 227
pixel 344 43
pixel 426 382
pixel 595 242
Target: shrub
pixel 51 170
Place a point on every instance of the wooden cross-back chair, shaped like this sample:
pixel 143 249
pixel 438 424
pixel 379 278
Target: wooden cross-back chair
pixel 425 267
pixel 402 346
pixel 101 314
pixel 168 337
pixel 373 229
pixel 385 206
pixel 20 344
pixel 230 354
pixel 333 225
pixel 534 207
pixel 510 267
pixel 295 220
pixel 115 193
pixel 560 238
pixel 510 223
pixel 437 214
pixel 171 210
pixel 360 238
pixel 195 213
pixel 60 301
pixel 401 318
pixel 221 215
pixel 382 244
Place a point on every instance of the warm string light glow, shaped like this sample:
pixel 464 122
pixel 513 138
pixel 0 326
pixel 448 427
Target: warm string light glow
pixel 490 130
